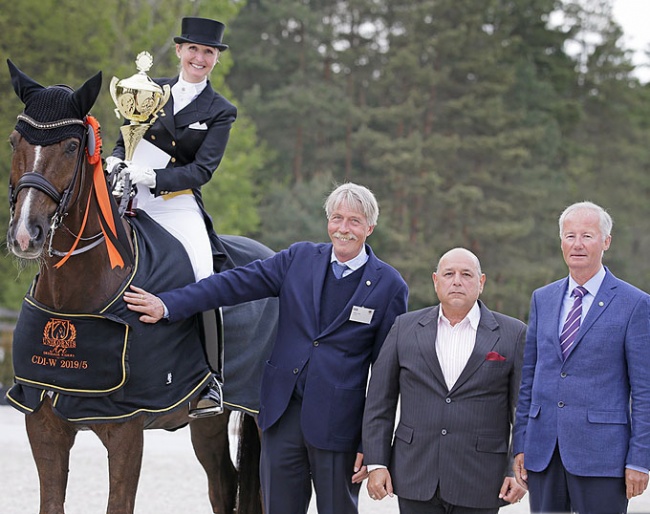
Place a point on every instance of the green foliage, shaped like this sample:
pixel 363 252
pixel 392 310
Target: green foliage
pixel 231 196
pixel 467 118
pixel 297 209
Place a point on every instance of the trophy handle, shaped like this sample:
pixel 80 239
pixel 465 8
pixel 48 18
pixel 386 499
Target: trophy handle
pixel 113 89
pixel 166 91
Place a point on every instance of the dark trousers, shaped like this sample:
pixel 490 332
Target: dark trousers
pixel 557 490
pixel 288 465
pixel 437 505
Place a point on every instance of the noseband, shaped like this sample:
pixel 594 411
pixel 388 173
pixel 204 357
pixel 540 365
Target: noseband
pixel 32 179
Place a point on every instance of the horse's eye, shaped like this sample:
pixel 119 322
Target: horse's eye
pixel 72 147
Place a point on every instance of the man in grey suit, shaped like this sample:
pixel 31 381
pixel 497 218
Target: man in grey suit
pixel 456 369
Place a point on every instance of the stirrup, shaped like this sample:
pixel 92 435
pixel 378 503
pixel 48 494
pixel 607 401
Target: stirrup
pixel 210 403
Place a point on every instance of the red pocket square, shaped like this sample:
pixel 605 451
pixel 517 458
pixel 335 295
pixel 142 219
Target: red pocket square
pixel 494 356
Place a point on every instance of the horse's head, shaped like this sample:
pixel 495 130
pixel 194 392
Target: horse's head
pixel 48 144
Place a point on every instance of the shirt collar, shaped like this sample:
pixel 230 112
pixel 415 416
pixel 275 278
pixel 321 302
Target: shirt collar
pixel 592 285
pixel 194 87
pixel 473 316
pixel 356 263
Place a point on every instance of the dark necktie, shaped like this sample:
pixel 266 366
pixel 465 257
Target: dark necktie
pixel 338 268
pixel 572 323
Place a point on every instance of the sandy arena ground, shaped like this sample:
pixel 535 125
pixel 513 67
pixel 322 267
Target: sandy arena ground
pixel 171 482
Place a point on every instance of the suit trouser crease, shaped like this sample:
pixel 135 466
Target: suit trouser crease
pixel 288 465
pixel 556 490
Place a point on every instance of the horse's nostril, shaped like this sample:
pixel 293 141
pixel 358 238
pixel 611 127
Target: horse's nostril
pixel 38 234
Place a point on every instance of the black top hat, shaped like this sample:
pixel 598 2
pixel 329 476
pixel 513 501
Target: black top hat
pixel 202 31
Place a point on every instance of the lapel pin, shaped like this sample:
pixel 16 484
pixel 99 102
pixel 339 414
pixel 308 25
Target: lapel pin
pixel 368 282
pixel 601 304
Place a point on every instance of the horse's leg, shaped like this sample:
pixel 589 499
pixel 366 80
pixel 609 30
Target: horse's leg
pixel 51 439
pixel 250 497
pixel 124 443
pixel 210 442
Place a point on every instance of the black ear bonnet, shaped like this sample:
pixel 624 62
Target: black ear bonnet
pixel 51 104
pixel 52 113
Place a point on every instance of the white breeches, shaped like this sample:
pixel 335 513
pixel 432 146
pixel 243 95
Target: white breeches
pixel 181 217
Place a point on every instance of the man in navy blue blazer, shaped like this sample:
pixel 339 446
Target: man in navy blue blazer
pixel 582 429
pixel 331 327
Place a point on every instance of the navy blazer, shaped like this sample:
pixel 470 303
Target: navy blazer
pixel 339 356
pixel 595 404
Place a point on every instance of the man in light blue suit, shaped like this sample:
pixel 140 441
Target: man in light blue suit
pixel 331 327
pixel 582 429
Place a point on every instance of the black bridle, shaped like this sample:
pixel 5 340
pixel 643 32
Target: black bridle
pixel 32 179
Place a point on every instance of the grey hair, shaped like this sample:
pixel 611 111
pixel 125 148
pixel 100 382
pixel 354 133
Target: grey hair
pixel 605 222
pixel 356 197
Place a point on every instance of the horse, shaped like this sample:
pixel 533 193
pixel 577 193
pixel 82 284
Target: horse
pixel 80 363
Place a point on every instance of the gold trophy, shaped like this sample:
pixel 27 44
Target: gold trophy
pixel 139 100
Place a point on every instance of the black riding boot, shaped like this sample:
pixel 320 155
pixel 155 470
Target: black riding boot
pixel 211 398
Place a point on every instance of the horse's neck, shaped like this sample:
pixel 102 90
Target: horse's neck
pixel 84 283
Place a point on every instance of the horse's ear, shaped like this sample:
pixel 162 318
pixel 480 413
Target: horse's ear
pixel 85 97
pixel 23 85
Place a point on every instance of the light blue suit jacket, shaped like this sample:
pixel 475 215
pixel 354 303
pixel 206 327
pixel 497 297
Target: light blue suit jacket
pixel 595 405
pixel 337 356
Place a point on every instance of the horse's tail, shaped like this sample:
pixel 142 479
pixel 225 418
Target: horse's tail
pixel 250 497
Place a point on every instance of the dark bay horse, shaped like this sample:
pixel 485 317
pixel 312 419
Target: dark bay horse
pixel 80 362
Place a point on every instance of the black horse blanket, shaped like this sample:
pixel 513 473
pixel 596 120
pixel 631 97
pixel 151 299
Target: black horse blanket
pixel 107 365
pixel 249 333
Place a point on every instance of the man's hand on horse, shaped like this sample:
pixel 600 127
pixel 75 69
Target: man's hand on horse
pixel 149 305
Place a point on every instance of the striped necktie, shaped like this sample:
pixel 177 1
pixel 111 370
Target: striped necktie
pixel 572 323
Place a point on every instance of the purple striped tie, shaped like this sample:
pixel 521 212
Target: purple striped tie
pixel 572 323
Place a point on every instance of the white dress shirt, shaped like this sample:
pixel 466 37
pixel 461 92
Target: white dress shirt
pixel 454 344
pixel 184 92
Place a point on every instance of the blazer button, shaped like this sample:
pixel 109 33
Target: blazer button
pixel 316 343
pixel 560 404
pixel 448 400
pixel 443 431
pixel 296 371
pixel 173 143
pixel 563 374
pixel 173 159
pixel 153 138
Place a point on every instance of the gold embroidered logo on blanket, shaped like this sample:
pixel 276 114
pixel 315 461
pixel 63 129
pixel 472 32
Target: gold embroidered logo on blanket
pixel 61 335
pixel 80 354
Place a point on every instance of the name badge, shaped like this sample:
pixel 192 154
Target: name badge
pixel 361 314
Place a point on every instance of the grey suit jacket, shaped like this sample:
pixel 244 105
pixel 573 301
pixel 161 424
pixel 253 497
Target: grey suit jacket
pixel 457 440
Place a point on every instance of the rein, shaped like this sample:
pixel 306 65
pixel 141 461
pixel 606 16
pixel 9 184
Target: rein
pixel 115 240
